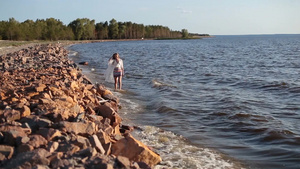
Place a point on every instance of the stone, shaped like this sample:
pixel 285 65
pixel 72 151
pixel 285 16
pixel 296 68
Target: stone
pixel 52 146
pixel 24 148
pixel 40 87
pixel 82 142
pixel 24 140
pixel 30 121
pixel 58 163
pixel 74 85
pixel 35 157
pixel 25 111
pixel 37 140
pixel 2 158
pixel 43 122
pixel 126 129
pixel 49 133
pixel 106 111
pixel 83 63
pixel 123 162
pixel 88 152
pixel 52 116
pixel 135 150
pixel 68 149
pixel 94 140
pixel 11 134
pixel 88 128
pixel 73 73
pixel 143 165
pixel 40 167
pixel 103 137
pixel 7 151
pixel 11 114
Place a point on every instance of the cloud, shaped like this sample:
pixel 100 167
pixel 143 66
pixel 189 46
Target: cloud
pixel 184 11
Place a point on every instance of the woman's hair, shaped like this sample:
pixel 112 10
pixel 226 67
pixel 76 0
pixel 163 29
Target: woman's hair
pixel 115 55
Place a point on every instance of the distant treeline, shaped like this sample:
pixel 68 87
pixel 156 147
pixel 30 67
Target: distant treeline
pixel 82 29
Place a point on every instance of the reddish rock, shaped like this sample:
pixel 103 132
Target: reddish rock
pixel 74 85
pixel 135 150
pixel 24 148
pixel 25 111
pixel 103 137
pixel 32 158
pixel 40 87
pixel 106 111
pixel 88 128
pixel 106 94
pixel 49 133
pixel 37 141
pixel 52 146
pixel 82 142
pixel 68 149
pixel 83 63
pixel 2 158
pixel 43 122
pixel 123 162
pixel 12 133
pixel 11 114
pixel 52 116
pixel 94 140
pixel 7 151
pixel 88 152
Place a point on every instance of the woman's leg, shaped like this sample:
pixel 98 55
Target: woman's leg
pixel 120 82
pixel 116 80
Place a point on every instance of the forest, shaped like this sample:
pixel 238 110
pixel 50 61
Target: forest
pixel 83 29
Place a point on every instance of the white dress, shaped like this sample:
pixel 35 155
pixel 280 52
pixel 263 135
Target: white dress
pixel 109 73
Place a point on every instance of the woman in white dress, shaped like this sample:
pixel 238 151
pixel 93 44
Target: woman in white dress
pixel 115 70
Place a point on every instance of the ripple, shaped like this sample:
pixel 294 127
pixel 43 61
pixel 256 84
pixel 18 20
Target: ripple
pixel 277 136
pixel 166 109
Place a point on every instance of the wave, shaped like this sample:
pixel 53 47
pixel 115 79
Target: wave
pixel 157 84
pixel 72 53
pixel 177 152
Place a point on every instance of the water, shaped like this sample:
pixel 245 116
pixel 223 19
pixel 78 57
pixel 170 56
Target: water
pixel 222 102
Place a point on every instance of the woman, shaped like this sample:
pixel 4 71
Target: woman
pixel 115 71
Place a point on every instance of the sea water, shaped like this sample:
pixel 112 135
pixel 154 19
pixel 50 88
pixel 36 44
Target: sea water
pixel 220 102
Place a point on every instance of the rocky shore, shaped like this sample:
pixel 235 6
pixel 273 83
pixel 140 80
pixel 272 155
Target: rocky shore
pixel 52 116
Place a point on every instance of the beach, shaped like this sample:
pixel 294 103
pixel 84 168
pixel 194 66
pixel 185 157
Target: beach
pixel 53 116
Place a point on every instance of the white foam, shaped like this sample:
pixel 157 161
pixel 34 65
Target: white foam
pixel 72 53
pixel 176 152
pixel 157 83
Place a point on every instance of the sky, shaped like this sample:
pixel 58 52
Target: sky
pixel 214 17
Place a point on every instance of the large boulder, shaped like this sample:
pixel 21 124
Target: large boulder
pixel 135 150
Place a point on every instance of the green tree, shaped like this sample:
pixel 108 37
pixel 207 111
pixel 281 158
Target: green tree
pixel 77 28
pixel 83 29
pixel 13 31
pixel 88 29
pixel 40 27
pixel 54 29
pixel 3 28
pixel 185 33
pixel 122 29
pixel 28 30
pixel 113 29
pixel 102 30
pixel 128 31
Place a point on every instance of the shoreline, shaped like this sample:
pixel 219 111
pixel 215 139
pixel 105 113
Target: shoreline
pixel 50 111
pixel 7 46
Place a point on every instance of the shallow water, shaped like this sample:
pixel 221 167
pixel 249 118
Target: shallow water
pixel 234 97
